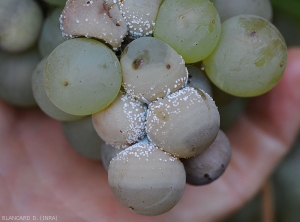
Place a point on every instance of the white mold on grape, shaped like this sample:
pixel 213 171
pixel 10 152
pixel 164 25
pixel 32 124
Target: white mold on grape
pixel 146 180
pixel 184 123
pixel 139 15
pixel 100 19
pixel 152 69
pixel 122 123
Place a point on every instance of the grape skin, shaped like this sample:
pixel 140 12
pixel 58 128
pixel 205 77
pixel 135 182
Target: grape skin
pixel 209 165
pixel 20 25
pixel 43 100
pixel 183 124
pixel 122 123
pixel 230 8
pixel 191 27
pixel 146 180
pixel 82 76
pixel 250 57
pixel 151 69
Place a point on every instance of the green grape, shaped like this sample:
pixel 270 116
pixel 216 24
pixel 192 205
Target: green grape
pixel 82 76
pixel 82 136
pixel 20 24
pixel 41 98
pixel 191 27
pixel 230 8
pixel 250 57
pixel 151 69
pixel 50 36
pixel 16 70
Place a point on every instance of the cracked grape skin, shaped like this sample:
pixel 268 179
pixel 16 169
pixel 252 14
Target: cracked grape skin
pixel 250 57
pixel 82 76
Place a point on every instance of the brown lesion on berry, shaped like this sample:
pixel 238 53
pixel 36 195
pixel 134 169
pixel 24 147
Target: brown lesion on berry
pixel 138 63
pixel 207 176
pixel 105 9
pixel 168 66
pixel 252 34
pixel 131 208
pixel 66 83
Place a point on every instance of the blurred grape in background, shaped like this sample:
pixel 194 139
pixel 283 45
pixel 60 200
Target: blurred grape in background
pixel 279 199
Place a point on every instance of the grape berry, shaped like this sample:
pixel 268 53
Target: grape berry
pixel 138 79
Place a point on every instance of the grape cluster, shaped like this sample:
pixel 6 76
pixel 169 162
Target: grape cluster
pixel 143 79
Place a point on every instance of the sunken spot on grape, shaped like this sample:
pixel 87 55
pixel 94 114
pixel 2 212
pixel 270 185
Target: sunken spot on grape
pixel 281 64
pixel 252 34
pixel 207 176
pixel 168 66
pixel 163 115
pixel 66 83
pixel 138 63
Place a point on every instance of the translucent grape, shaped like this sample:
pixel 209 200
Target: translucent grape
pixel 41 98
pixel 152 69
pixel 146 180
pixel 230 8
pixel 191 27
pixel 250 57
pixel 209 165
pixel 122 123
pixel 50 36
pixel 82 76
pixel 183 124
pixel 20 25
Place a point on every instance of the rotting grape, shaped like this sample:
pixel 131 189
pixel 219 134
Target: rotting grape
pixel 184 123
pixel 152 69
pixel 146 180
pixel 121 124
pixel 209 165
pixel 100 19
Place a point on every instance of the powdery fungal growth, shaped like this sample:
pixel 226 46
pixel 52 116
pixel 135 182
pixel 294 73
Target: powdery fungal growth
pixel 122 123
pixel 100 19
pixel 139 15
pixel 146 180
pixel 152 69
pixel 184 123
